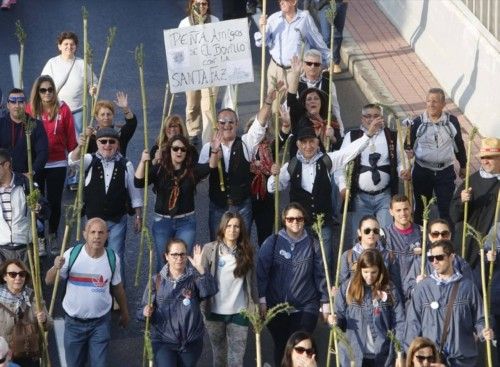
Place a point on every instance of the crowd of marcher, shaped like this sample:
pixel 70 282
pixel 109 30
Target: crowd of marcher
pixel 432 305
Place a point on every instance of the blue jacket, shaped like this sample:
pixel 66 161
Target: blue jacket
pixel 13 138
pixel 292 272
pixel 177 318
pixel 380 317
pixel 427 311
pixel 402 245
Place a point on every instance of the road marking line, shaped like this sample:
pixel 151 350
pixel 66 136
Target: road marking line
pixel 59 331
pixel 14 68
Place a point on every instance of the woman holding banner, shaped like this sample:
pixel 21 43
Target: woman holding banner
pixel 198 108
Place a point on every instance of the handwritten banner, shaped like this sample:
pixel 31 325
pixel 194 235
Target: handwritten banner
pixel 212 54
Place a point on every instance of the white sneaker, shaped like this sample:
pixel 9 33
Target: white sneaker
pixel 41 247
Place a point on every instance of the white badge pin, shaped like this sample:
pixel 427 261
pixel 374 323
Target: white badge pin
pixel 285 254
pixel 186 301
pixel 434 305
pixel 221 263
pixel 375 303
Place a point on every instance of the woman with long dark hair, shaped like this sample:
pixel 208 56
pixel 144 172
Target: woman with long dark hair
pixel 174 181
pixel 366 308
pixel 230 260
pixel 300 351
pixel 60 129
pixel 290 269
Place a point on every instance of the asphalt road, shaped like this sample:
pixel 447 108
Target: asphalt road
pixel 137 22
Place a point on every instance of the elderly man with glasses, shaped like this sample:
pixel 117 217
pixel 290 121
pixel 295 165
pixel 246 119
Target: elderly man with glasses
pixel 447 291
pixel 109 191
pixel 13 135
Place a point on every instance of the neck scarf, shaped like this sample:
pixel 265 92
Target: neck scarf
pixel 114 158
pixel 261 169
pixel 20 301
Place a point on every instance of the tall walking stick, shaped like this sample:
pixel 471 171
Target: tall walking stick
pixel 214 126
pixel 425 218
pixel 79 193
pixel 21 37
pixel 263 56
pixel 471 231
pixel 401 136
pixel 494 246
pixel 466 187
pixel 109 43
pixel 330 15
pixel 259 323
pixel 164 110
pixel 139 58
pixel 147 354
pixel 29 125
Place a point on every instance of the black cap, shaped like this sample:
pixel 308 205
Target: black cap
pixel 306 133
pixel 107 132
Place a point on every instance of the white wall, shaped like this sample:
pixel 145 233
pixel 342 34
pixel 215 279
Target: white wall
pixel 462 55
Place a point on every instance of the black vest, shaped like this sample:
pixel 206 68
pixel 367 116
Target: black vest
pixel 323 84
pixel 236 181
pixel 391 137
pixel 320 200
pixel 111 205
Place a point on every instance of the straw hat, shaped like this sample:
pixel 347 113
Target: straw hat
pixel 490 147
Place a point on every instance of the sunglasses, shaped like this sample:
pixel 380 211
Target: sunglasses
pixel 294 219
pixel 369 230
pixel 107 141
pixel 182 149
pixel 45 90
pixel 425 358
pixel 223 122
pixel 301 350
pixel 440 257
pixel 14 100
pixel 14 274
pixel 315 64
pixel 436 234
pixel 178 255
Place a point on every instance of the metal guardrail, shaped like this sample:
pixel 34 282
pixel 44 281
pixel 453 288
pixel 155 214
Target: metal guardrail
pixel 488 13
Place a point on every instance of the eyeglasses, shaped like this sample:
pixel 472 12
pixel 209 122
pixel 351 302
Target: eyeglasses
pixel 178 255
pixel 371 116
pixel 315 64
pixel 425 358
pixel 182 149
pixel 294 219
pixel 301 350
pixel 15 100
pixel 223 122
pixel 440 257
pixel 369 230
pixel 14 274
pixel 107 141
pixel 45 90
pixel 436 234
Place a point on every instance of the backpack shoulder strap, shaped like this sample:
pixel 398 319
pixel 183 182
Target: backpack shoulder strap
pixel 292 164
pixel 75 251
pixel 111 260
pixel 350 260
pixel 327 161
pixel 447 319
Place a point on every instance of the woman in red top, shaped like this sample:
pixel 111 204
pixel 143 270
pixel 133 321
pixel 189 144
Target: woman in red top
pixel 59 126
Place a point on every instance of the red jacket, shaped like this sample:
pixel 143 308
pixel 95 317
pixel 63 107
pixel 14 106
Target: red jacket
pixel 60 132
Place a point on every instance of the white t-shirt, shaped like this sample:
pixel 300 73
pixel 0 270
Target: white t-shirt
pixel 87 293
pixel 231 297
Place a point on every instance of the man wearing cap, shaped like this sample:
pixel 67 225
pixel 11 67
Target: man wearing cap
pixel 309 175
pixel 376 172
pixel 6 354
pixel 109 191
pixel 481 195
pixel 13 136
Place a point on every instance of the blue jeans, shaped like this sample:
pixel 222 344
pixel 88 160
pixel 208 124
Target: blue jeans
pixel 166 228
pixel 116 241
pixel 330 251
pixel 165 356
pixel 215 214
pixel 377 205
pixel 78 117
pixel 338 28
pixel 87 340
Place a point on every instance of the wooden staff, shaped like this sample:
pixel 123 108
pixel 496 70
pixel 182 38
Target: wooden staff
pixel 139 58
pixel 263 56
pixel 398 347
pixel 21 37
pixel 276 177
pixel 425 217
pixel 164 110
pixel 171 106
pixel 481 240
pixel 32 200
pixel 403 156
pixel 79 193
pixel 147 354
pixel 214 126
pixel 259 323
pixel 109 43
pixel 330 15
pixel 466 187
pixel 493 247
